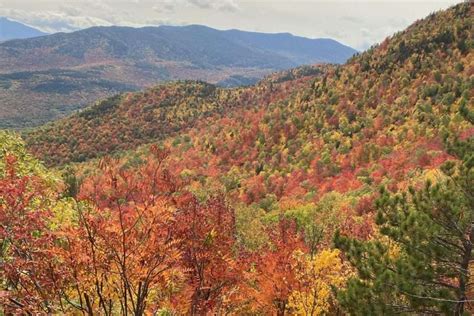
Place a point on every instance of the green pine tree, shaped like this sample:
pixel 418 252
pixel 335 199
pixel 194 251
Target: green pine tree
pixel 421 265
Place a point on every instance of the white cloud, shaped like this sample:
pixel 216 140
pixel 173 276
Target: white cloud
pixel 222 5
pixel 168 6
pixel 54 21
pixel 165 6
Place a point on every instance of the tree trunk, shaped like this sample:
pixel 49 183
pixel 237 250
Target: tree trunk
pixel 464 273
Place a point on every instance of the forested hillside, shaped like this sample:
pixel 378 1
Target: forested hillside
pixel 323 190
pixel 125 121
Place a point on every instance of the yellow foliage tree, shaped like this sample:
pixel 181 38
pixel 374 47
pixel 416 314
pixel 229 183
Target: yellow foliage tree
pixel 316 276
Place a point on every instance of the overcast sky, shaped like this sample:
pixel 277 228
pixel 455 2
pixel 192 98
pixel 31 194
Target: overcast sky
pixel 357 23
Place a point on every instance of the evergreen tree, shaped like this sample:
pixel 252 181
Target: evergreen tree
pixel 71 182
pixel 421 263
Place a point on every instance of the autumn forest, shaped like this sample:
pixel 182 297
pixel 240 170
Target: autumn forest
pixel 320 190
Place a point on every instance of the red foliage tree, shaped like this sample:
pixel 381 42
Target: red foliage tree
pixel 207 234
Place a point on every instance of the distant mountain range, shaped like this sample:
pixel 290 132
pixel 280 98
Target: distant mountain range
pixel 65 71
pixel 14 30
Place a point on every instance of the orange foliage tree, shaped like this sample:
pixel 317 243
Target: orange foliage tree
pixel 207 234
pixel 275 277
pixel 122 255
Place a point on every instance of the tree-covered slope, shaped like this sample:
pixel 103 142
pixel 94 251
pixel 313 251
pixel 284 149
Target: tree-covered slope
pixel 378 119
pixel 126 121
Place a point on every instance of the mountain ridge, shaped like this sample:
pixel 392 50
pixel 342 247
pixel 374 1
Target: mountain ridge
pixel 129 36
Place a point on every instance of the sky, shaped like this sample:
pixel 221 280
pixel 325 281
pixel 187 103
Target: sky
pixel 357 23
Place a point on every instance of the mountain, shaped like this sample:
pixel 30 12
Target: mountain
pixel 14 30
pixel 298 49
pixel 201 46
pixel 64 72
